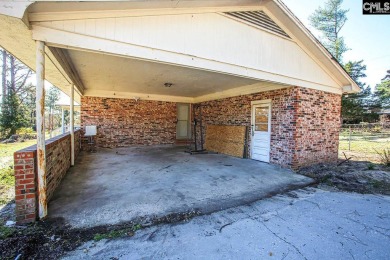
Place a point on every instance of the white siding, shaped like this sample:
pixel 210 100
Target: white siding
pixel 210 36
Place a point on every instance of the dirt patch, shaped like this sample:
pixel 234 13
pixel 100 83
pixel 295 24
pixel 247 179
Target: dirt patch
pixel 51 239
pixel 354 176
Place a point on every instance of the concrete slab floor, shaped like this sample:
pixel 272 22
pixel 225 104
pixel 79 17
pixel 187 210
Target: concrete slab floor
pixel 114 186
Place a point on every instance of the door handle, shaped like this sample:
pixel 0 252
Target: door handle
pixel 252 130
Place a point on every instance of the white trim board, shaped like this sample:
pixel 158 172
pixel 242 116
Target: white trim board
pixel 241 91
pixel 247 90
pixel 260 102
pixel 76 15
pixel 136 96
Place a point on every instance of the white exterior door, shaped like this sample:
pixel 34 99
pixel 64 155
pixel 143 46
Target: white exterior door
pixel 261 131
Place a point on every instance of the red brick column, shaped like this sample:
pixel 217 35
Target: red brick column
pixel 25 168
pixel 25 186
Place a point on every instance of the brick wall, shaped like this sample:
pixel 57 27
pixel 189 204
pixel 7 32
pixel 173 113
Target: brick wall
pixel 124 122
pixel 317 127
pixel 25 185
pixel 77 143
pixel 58 159
pixel 25 167
pixel 304 123
pixel 237 111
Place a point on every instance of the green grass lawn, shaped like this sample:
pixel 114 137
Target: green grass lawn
pixel 372 147
pixel 7 179
pixel 7 150
pixel 365 143
pixel 364 146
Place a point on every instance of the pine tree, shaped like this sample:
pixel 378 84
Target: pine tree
pixel 13 116
pixel 382 91
pixel 330 19
pixel 358 107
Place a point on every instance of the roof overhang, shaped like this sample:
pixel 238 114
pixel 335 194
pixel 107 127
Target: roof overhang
pixel 16 38
pixel 308 41
pixel 17 16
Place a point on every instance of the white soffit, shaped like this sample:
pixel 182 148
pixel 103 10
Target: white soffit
pixel 118 74
pixel 16 38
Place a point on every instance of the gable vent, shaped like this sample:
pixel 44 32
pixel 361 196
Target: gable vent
pixel 259 19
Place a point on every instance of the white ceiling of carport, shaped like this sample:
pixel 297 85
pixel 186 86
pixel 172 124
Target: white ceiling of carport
pixel 113 73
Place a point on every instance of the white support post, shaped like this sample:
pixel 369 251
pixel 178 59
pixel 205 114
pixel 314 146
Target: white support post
pixel 40 114
pixel 63 120
pixel 71 125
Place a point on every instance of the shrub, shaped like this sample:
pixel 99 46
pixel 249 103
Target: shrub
pixel 384 156
pixel 24 131
pixel 370 166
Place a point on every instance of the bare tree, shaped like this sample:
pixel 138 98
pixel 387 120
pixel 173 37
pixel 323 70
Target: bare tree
pixel 15 91
pixel 4 78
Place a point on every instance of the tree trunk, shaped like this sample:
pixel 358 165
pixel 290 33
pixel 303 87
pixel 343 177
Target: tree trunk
pixel 12 72
pixel 50 123
pixel 4 79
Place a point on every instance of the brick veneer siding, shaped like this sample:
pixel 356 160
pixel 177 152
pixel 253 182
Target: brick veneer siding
pixel 237 111
pixel 304 123
pixel 318 122
pixel 124 122
pixel 77 143
pixel 25 167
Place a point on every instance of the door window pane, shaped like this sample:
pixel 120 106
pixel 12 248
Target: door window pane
pixel 261 119
pixel 261 127
pixel 261 115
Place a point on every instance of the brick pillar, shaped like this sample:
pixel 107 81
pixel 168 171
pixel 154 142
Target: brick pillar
pixel 25 186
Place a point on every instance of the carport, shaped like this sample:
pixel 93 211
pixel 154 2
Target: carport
pixel 142 184
pixel 138 69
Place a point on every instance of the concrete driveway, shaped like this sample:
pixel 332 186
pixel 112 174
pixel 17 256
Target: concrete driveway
pixel 306 224
pixel 120 185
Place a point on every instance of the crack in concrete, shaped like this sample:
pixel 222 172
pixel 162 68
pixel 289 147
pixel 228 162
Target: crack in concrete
pixel 355 239
pixel 232 222
pixel 370 228
pixel 228 224
pixel 383 216
pixel 284 240
pixel 277 214
pixel 387 229
pixel 351 254
pixel 166 167
pixel 314 203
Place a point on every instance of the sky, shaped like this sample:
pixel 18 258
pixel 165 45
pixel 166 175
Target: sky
pixel 368 36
